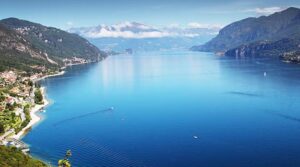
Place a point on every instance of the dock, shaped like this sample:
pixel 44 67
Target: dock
pixel 18 144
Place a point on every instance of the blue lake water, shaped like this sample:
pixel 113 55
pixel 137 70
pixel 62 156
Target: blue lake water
pixel 173 109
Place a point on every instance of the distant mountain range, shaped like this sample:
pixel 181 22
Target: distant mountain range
pixel 274 35
pixel 25 45
pixel 141 37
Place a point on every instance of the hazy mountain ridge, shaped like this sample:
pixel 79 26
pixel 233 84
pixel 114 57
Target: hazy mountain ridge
pixel 35 44
pixel 147 44
pixel 266 35
pixel 139 30
pixel 141 37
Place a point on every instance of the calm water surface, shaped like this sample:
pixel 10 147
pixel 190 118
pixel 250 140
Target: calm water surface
pixel 173 109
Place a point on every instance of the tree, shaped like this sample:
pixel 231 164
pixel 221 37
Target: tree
pixel 2 97
pixel 10 107
pixel 68 154
pixel 30 83
pixel 38 97
pixel 2 130
pixel 13 157
pixel 65 162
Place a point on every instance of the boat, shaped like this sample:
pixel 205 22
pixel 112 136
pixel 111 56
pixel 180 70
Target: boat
pixel 265 74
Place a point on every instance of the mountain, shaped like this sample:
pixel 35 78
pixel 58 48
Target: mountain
pixel 273 35
pixel 142 37
pixel 124 30
pixel 276 48
pixel 147 44
pixel 16 51
pixel 139 30
pixel 25 45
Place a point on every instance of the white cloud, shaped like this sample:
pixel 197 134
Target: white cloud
pixel 196 25
pixel 266 11
pixel 70 23
pixel 125 34
pixel 138 30
pixel 204 26
pixel 173 25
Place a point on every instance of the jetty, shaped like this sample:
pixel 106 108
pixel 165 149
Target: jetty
pixel 18 144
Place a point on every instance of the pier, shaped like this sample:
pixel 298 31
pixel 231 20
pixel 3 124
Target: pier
pixel 18 144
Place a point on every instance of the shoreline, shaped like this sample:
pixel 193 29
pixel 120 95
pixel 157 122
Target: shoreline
pixel 51 75
pixel 35 118
pixel 37 108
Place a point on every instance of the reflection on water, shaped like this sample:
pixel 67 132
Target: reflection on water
pixel 147 66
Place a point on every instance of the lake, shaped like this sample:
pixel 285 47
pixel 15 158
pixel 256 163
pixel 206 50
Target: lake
pixel 172 109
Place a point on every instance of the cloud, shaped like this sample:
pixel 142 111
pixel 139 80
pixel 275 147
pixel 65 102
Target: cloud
pixel 70 23
pixel 173 25
pixel 127 24
pixel 266 11
pixel 204 26
pixel 102 33
pixel 138 30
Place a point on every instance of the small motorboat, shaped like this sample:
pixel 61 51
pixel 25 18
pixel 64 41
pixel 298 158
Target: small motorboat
pixel 265 74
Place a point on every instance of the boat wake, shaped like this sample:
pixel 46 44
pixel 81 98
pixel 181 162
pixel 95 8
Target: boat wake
pixel 244 94
pixel 285 116
pixel 82 116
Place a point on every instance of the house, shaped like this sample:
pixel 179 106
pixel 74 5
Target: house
pixel 36 76
pixel 9 76
pixel 10 100
pixel 19 112
pixel 15 90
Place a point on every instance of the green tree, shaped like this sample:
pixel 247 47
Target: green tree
pixel 2 97
pixel 38 97
pixel 65 162
pixel 2 130
pixel 10 107
pixel 30 83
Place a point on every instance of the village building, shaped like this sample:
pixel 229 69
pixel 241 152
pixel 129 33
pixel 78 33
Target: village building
pixel 9 77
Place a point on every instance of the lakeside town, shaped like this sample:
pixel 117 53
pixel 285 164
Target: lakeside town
pixel 21 97
pixel 19 94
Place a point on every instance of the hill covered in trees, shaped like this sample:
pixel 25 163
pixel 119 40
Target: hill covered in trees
pixel 274 35
pixel 25 45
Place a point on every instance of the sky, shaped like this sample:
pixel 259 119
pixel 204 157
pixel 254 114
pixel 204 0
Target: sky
pixel 65 14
